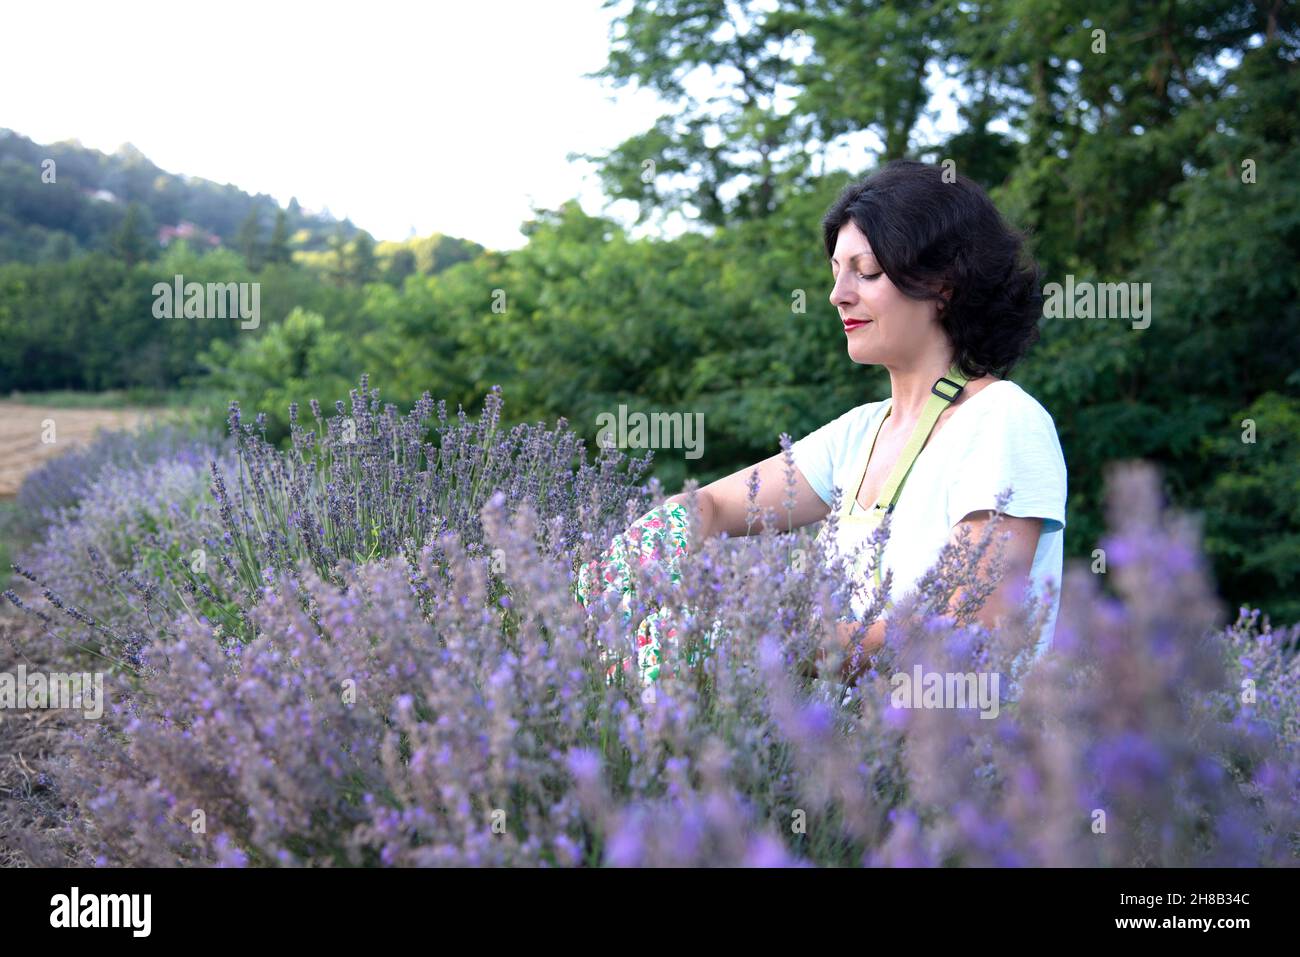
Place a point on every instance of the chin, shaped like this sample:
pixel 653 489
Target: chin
pixel 864 357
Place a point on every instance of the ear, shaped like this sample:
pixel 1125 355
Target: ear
pixel 945 291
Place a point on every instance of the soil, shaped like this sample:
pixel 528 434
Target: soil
pixel 22 428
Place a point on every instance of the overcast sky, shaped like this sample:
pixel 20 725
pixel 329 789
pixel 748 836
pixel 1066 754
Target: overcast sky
pixel 439 116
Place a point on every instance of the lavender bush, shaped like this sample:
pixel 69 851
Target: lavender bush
pixel 61 482
pixel 101 577
pixel 364 484
pixel 428 724
pixel 433 695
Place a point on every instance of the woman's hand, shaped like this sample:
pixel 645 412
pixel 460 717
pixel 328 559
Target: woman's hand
pixel 852 637
pixel 868 641
pixel 659 535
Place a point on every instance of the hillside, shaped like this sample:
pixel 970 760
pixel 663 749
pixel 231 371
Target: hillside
pixel 40 223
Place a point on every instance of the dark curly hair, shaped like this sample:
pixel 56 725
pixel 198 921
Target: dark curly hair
pixel 931 236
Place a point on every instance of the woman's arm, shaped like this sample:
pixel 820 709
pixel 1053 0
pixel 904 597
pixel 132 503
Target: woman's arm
pixel 1018 554
pixel 1021 535
pixel 723 507
pixel 725 503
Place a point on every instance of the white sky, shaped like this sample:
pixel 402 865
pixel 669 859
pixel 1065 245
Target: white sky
pixel 450 117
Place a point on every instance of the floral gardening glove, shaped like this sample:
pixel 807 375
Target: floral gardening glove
pixel 663 535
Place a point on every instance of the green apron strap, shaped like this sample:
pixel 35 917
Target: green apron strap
pixel 945 390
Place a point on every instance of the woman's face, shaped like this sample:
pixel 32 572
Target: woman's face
pixel 899 330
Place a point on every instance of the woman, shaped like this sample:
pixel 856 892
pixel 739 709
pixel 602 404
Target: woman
pixel 928 282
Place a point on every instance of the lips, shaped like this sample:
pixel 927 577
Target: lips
pixel 851 324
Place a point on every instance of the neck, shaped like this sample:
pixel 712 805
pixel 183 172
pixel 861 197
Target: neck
pixel 909 386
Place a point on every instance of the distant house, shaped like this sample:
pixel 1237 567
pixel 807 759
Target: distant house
pixel 188 231
pixel 103 195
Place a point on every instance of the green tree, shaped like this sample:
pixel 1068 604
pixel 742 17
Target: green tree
pixel 278 250
pixel 338 268
pixel 401 265
pixel 867 66
pixel 290 361
pixel 1253 504
pixel 696 153
pixel 249 242
pixel 131 242
pixel 361 262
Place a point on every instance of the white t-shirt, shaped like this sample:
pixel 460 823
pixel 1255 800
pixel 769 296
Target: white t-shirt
pixel 998 437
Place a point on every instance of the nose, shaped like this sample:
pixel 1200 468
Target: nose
pixel 842 290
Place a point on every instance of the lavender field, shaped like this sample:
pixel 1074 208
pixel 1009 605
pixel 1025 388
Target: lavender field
pixel 366 649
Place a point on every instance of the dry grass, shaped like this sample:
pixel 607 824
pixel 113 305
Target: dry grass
pixel 22 428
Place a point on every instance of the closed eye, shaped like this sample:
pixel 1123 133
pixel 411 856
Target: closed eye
pixel 873 276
